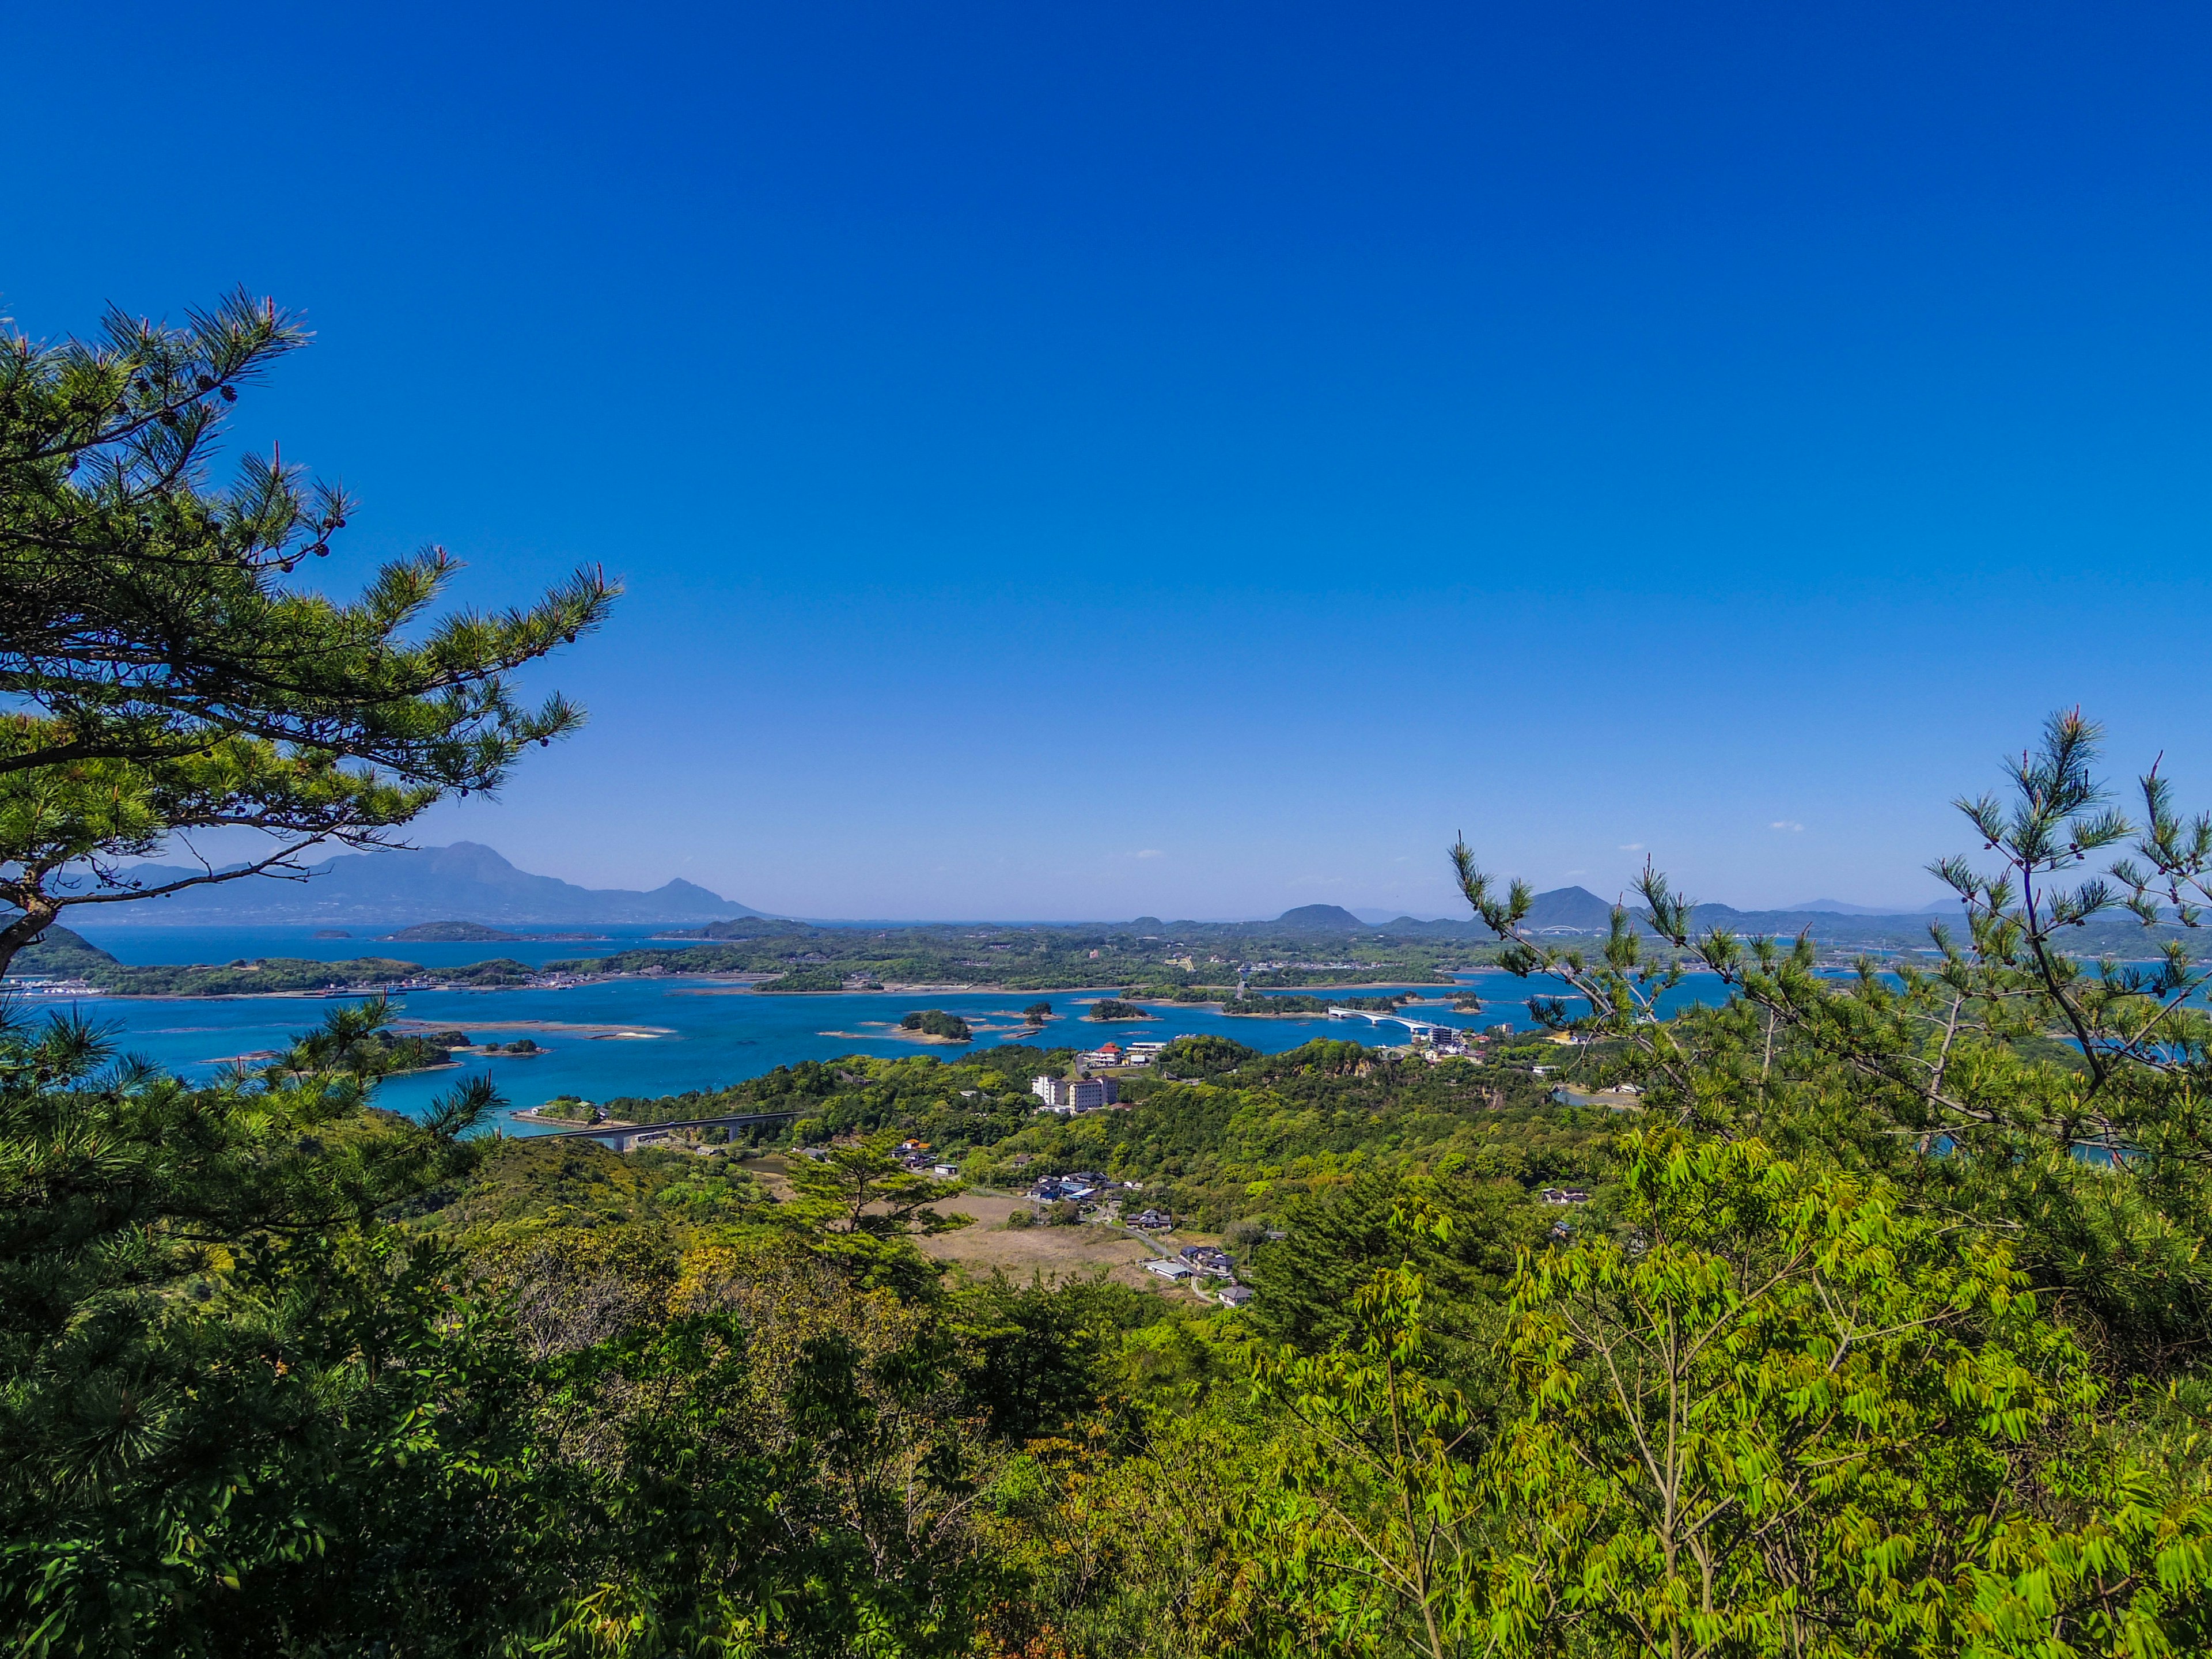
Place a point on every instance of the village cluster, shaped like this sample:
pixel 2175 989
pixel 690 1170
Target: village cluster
pixel 1091 1190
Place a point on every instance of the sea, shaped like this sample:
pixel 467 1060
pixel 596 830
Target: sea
pixel 660 1036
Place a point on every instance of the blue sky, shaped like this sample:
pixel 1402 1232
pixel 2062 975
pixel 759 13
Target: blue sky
pixel 1090 461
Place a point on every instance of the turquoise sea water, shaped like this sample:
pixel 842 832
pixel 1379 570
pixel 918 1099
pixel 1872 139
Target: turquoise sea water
pixel 144 942
pixel 684 1033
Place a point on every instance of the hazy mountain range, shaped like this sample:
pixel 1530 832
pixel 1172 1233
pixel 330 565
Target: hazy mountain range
pixel 1578 910
pixel 465 881
pixel 1568 911
pixel 469 883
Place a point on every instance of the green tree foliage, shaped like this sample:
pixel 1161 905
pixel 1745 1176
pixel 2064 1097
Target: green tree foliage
pixel 797 979
pixel 1793 1418
pixel 1338 1240
pixel 1037 1012
pixel 238 1415
pixel 1203 1056
pixel 937 1023
pixel 1907 1390
pixel 775 1466
pixel 856 1203
pixel 161 675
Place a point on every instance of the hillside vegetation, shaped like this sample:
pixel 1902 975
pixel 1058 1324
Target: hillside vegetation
pixel 1863 1318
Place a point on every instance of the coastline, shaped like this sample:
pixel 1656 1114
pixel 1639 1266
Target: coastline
pixel 716 985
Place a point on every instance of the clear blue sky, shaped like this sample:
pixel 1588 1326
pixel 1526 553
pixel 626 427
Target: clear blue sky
pixel 1081 461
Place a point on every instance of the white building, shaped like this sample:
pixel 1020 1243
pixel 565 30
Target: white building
pixel 1085 1095
pixel 1178 1271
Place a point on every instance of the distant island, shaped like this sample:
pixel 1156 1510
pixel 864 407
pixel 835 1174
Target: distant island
pixel 1233 964
pixel 464 933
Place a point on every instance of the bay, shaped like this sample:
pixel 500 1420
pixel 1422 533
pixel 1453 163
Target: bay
pixel 147 943
pixel 662 1035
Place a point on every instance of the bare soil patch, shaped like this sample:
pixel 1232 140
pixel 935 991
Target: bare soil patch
pixel 1054 1252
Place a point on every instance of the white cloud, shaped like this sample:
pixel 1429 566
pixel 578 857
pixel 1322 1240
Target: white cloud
pixel 1151 852
pixel 1790 825
pixel 1631 847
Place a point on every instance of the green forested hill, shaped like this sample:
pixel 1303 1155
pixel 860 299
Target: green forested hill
pixel 63 955
pixel 1870 1322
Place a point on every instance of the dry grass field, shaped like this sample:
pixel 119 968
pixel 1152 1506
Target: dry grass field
pixel 1053 1252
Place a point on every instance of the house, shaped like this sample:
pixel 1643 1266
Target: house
pixel 1153 1219
pixel 1563 1196
pixel 1169 1268
pixel 1105 1055
pixel 946 1171
pixel 1234 1296
pixel 1209 1260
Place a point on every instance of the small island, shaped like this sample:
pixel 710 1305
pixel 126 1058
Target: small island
pixel 467 932
pixel 1114 1008
pixel 934 1023
pixel 566 1108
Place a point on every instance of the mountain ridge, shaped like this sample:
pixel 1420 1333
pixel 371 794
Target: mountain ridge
pixel 464 881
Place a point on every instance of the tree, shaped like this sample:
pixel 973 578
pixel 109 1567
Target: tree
pixel 238 1413
pixel 1781 1415
pixel 1374 1527
pixel 858 1205
pixel 161 676
pixel 1037 1012
pixel 2066 1102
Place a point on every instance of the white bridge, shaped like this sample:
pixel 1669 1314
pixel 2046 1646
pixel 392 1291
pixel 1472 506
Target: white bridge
pixel 1419 1028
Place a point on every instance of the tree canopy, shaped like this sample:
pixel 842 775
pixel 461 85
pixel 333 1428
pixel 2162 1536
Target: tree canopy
pixel 159 673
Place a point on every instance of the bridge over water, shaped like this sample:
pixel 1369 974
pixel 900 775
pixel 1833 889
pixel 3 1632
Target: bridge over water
pixel 1419 1028
pixel 623 1137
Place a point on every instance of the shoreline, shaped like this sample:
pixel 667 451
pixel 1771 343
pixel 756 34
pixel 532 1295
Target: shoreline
pixel 714 985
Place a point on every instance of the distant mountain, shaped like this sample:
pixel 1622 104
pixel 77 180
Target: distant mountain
pixel 1319 917
pixel 1570 906
pixel 1837 908
pixel 465 881
pixel 1386 919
